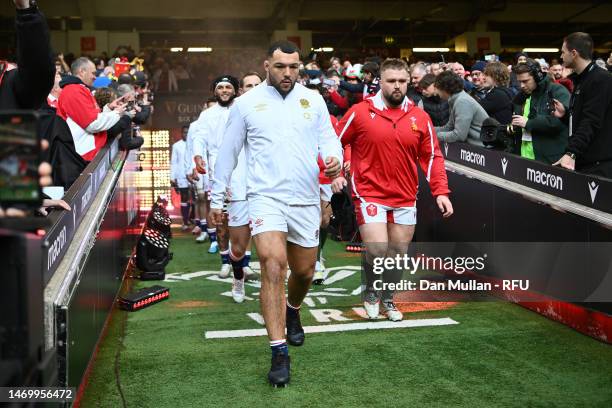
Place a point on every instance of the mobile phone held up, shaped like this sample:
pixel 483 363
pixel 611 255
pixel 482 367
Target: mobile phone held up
pixel 19 160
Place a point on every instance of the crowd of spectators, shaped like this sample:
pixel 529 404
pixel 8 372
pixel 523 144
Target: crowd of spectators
pixel 176 72
pixel 527 101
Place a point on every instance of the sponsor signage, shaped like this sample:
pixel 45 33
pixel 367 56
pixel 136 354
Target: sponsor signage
pixel 586 190
pixel 79 197
pixel 55 244
pixel 176 109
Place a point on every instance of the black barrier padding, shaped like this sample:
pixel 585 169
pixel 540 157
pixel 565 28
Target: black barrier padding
pixel 486 215
pixel 79 197
pixel 591 191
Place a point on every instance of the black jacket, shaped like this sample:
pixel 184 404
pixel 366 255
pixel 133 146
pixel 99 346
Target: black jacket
pixel 414 95
pixel 142 117
pixel 370 89
pixel 28 86
pixel 125 123
pixel 498 104
pixel 591 117
pixel 66 163
pixel 437 109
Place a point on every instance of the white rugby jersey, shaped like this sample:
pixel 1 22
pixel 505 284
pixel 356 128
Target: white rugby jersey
pixel 188 163
pixel 282 138
pixel 204 140
pixel 177 164
pixel 200 131
pixel 237 185
pixel 214 138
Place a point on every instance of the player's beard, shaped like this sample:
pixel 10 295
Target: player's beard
pixel 223 103
pixel 277 85
pixel 394 99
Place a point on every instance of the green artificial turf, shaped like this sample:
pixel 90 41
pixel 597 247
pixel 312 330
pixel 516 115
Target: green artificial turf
pixel 499 355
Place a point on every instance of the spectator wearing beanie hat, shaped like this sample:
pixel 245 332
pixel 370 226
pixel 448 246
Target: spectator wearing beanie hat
pixel 477 75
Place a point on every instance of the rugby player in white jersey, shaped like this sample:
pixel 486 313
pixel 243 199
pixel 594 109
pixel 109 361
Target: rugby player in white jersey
pixel 283 126
pixel 238 211
pixel 199 185
pixel 205 146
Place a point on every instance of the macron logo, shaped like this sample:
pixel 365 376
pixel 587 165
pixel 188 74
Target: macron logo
pixel 593 187
pixel 445 149
pixel 472 157
pixel 372 114
pixel 504 165
pixel 548 180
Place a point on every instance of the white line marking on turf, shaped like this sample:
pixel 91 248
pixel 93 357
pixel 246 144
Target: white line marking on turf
pixel 327 294
pixel 358 290
pixel 224 334
pixel 309 302
pixel 322 300
pixel 257 317
pixel 231 280
pixel 334 290
pixel 343 274
pixel 348 267
pixel 188 276
pixel 327 315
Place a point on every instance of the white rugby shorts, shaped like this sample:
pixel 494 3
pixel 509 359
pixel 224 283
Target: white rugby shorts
pixel 300 222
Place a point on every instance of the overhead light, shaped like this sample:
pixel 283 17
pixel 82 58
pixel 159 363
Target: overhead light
pixel 540 50
pixel 176 49
pixel 430 49
pixel 324 49
pixel 199 49
pixel 389 40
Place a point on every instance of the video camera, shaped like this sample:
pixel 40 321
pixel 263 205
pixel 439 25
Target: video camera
pixel 497 136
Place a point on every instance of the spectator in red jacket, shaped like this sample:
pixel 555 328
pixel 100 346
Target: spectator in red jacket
pixel 77 106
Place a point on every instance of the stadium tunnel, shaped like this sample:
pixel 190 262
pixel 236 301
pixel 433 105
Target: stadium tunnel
pixel 61 287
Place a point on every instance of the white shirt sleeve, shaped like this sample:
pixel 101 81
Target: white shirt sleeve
pixel 234 139
pixel 188 163
pixel 213 147
pixel 104 121
pixel 329 144
pixel 174 164
pixel 200 141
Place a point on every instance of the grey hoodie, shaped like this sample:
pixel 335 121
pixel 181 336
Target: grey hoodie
pixel 465 121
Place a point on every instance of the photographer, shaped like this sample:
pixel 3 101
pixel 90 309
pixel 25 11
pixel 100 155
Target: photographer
pixel 27 85
pixel 543 136
pixel 129 133
pixel 144 97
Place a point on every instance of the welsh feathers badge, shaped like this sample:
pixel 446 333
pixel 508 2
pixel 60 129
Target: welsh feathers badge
pixel 414 125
